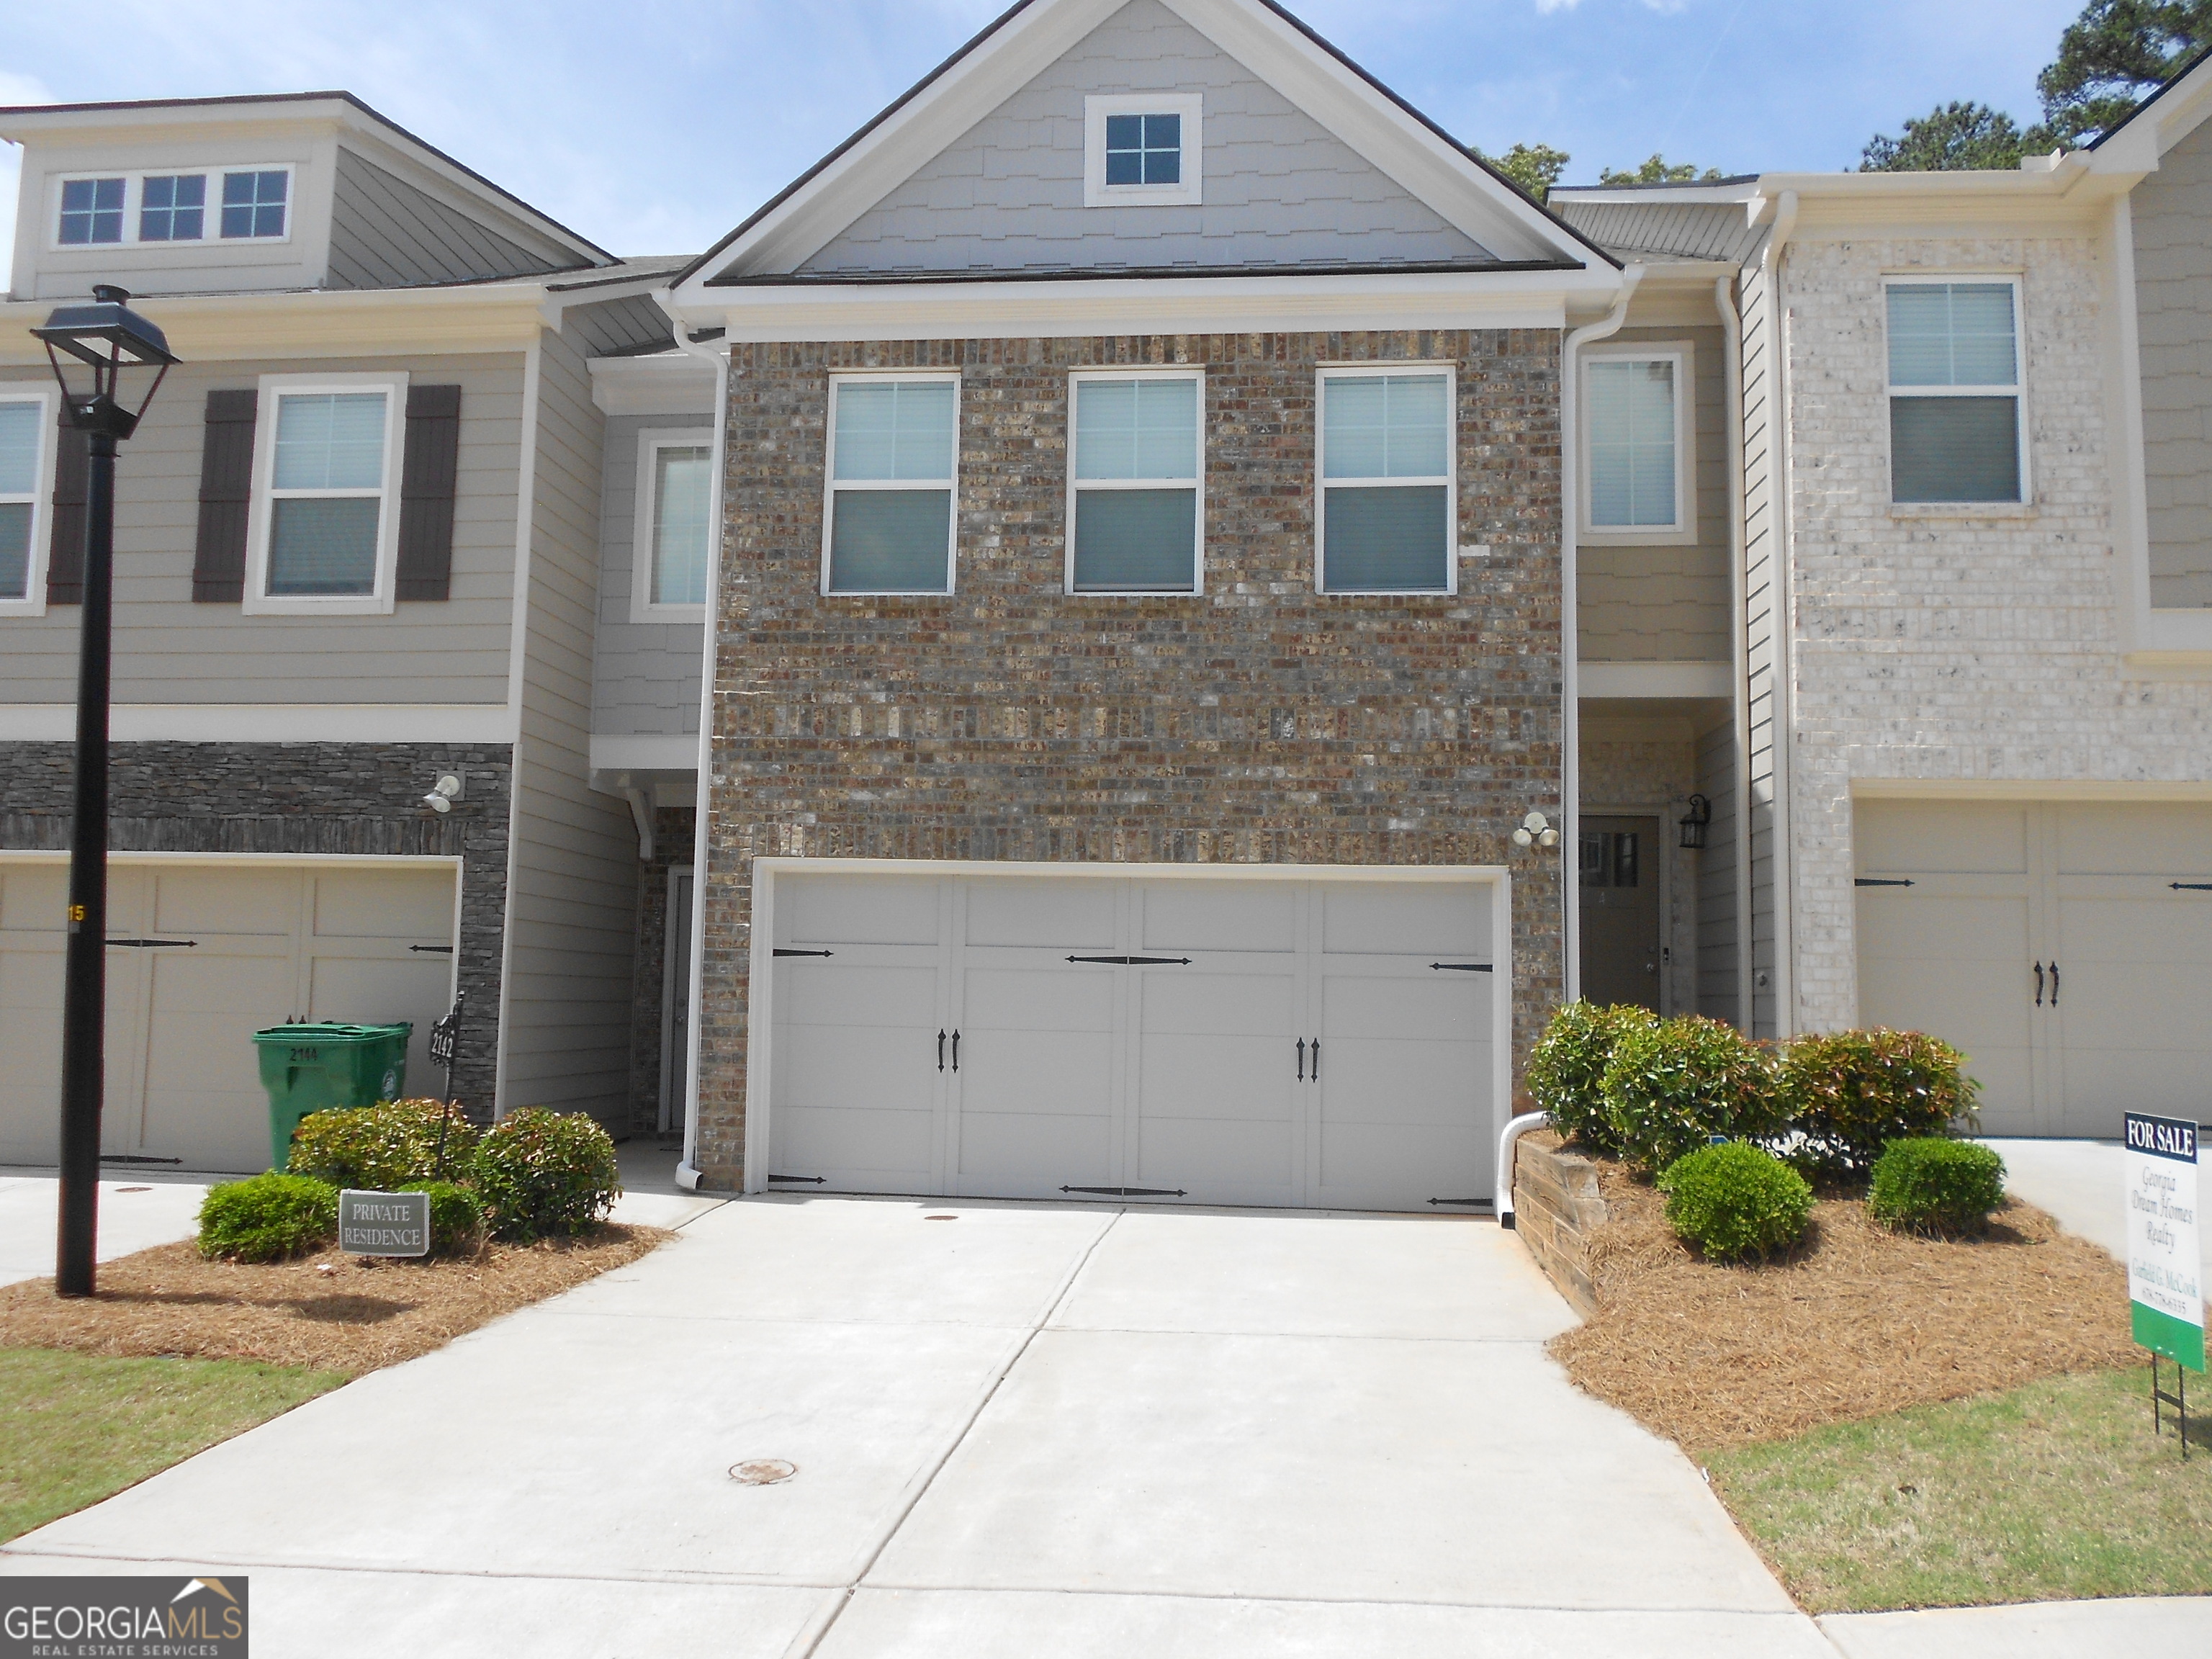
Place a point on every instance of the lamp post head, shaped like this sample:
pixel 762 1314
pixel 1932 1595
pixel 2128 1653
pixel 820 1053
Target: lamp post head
pixel 93 348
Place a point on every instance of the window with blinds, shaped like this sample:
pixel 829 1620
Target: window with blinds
pixel 1387 488
pixel 1955 433
pixel 1633 437
pixel 675 508
pixel 893 449
pixel 326 493
pixel 23 423
pixel 1134 484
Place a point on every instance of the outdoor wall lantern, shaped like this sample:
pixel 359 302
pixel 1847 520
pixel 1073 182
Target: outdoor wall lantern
pixel 1693 826
pixel 101 354
pixel 1535 830
pixel 447 790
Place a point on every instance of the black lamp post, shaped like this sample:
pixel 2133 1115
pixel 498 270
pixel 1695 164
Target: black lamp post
pixel 93 349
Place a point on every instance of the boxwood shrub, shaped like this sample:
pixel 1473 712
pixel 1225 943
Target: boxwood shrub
pixel 457 1217
pixel 386 1148
pixel 1851 1093
pixel 1937 1186
pixel 267 1217
pixel 1673 1085
pixel 1735 1200
pixel 542 1173
pixel 1566 1068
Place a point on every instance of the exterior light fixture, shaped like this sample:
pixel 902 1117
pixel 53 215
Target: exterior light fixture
pixel 447 790
pixel 1694 825
pixel 1535 830
pixel 101 354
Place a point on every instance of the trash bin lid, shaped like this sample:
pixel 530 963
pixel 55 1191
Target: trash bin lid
pixel 333 1033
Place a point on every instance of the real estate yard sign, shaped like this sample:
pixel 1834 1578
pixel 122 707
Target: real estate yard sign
pixel 2165 1264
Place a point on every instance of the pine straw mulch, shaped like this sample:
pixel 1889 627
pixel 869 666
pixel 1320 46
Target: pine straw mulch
pixel 1856 1321
pixel 328 1311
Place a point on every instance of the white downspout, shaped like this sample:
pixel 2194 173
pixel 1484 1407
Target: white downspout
pixel 1738 642
pixel 1570 637
pixel 687 1171
pixel 1514 1130
pixel 1785 630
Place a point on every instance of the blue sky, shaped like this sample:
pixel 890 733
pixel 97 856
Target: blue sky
pixel 654 125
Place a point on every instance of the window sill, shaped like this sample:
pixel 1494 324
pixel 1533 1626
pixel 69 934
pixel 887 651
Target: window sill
pixel 1990 510
pixel 360 605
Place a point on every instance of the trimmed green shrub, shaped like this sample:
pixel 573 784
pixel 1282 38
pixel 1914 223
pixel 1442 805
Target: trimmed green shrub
pixel 1566 1068
pixel 1851 1093
pixel 267 1217
pixel 1937 1186
pixel 541 1172
pixel 384 1148
pixel 457 1217
pixel 1674 1084
pixel 1735 1200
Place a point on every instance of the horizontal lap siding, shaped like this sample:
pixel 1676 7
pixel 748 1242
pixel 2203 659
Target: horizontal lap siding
pixel 646 682
pixel 1762 621
pixel 169 649
pixel 2172 210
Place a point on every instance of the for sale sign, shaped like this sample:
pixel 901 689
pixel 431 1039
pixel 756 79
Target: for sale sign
pixel 2166 1263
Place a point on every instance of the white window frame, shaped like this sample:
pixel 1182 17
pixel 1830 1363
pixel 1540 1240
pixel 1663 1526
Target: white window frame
pixel 1683 532
pixel 2017 391
pixel 1098 193
pixel 258 602
pixel 49 399
pixel 831 487
pixel 650 441
pixel 1322 484
pixel 133 192
pixel 1196 482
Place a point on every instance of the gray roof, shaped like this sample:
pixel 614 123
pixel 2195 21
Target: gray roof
pixel 1670 230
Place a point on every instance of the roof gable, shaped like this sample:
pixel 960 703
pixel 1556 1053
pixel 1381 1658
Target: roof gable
pixel 903 193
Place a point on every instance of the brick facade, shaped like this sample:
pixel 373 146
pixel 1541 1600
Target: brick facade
pixel 296 799
pixel 1960 644
pixel 1257 723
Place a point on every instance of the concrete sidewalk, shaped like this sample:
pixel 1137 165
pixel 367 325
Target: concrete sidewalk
pixel 1032 1429
pixel 2081 1185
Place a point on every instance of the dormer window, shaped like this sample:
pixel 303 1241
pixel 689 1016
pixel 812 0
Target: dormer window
pixel 1142 149
pixel 92 211
pixel 173 207
pixel 253 203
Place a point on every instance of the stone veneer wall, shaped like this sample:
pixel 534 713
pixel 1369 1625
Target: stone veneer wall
pixel 673 828
pixel 1556 1210
pixel 1969 645
pixel 1257 723
pixel 282 799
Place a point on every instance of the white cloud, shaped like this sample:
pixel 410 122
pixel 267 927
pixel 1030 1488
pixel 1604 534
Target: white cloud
pixel 1547 7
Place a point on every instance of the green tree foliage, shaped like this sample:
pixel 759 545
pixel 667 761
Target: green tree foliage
pixel 1534 167
pixel 1951 137
pixel 2110 56
pixel 1658 170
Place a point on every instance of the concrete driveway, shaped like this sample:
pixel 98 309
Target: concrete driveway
pixel 1025 1430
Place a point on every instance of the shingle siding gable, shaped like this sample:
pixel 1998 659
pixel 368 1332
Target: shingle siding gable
pixel 1279 189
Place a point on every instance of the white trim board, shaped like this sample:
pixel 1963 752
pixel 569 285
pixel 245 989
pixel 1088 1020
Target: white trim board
pixel 2077 789
pixel 760 1013
pixel 1656 679
pixel 621 752
pixel 258 722
pixel 287 861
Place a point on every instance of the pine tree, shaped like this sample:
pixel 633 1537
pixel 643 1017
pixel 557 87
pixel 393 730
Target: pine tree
pixel 1658 170
pixel 1949 138
pixel 2110 56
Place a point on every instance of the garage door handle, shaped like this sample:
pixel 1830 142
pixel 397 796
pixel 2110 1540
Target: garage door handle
pixel 2054 981
pixel 2039 985
pixel 1302 1059
pixel 956 1051
pixel 940 1051
pixel 1316 1071
pixel 156 944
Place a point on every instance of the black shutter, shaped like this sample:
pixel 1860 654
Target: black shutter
pixel 226 497
pixel 426 492
pixel 65 548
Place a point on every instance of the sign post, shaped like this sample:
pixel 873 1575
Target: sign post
pixel 2165 1264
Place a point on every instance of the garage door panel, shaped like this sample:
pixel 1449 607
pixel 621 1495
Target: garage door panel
pixel 203 899
pixel 2159 840
pixel 1403 1007
pixel 1039 998
pixel 374 904
pixel 31 1040
pixel 1051 1073
pixel 1433 1082
pixel 858 910
pixel 837 994
pixel 1402 1166
pixel 1242 1004
pixel 387 990
pixel 879 1067
pixel 35 899
pixel 1956 969
pixel 1412 919
pixel 1019 1155
pixel 1218 1077
pixel 1929 837
pixel 1214 1155
pixel 1078 914
pixel 1194 915
pixel 203 1098
pixel 858 1145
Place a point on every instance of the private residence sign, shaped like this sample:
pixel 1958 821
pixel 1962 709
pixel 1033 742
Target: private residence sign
pixel 384 1224
pixel 2166 1263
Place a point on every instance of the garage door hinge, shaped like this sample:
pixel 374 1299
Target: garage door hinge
pixel 431 950
pixel 1465 967
pixel 801 953
pixel 156 944
pixel 1470 1203
pixel 2191 886
pixel 809 1181
pixel 1129 1192
pixel 1874 881
pixel 1137 961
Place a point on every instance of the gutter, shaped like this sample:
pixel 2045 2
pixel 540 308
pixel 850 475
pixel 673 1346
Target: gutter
pixel 1570 629
pixel 717 355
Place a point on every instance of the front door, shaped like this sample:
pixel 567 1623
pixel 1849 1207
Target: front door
pixel 1619 874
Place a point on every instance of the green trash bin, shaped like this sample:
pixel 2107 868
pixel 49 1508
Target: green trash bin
pixel 313 1068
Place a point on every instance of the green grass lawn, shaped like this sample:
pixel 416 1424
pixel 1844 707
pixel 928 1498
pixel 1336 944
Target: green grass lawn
pixel 76 1428
pixel 2051 1492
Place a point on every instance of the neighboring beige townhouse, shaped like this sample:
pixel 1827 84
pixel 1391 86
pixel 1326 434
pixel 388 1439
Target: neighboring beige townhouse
pixel 1225 613
pixel 1971 416
pixel 359 549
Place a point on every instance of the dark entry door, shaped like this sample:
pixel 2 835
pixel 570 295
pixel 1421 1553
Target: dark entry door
pixel 1619 864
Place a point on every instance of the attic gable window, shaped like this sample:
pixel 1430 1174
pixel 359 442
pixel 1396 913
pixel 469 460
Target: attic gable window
pixel 173 207
pixel 92 211
pixel 1143 150
pixel 253 203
